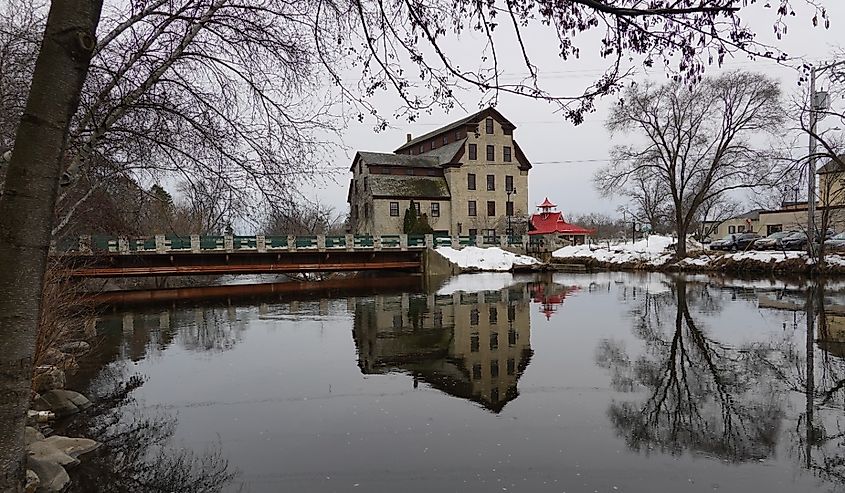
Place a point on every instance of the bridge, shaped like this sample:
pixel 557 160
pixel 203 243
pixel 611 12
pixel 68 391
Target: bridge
pixel 173 255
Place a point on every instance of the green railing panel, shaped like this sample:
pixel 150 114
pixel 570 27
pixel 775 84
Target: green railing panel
pixel 244 242
pixel 390 241
pixel 469 240
pixel 100 243
pixel 306 242
pixel 211 242
pixel 177 242
pixel 335 242
pixel 363 241
pixel 442 241
pixel 416 240
pixel 276 241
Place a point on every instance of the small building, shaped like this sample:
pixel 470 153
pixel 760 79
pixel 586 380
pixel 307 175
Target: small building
pixel 549 227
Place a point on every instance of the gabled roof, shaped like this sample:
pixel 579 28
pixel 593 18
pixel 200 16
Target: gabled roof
pixel 552 222
pixel 412 187
pixel 833 165
pixel 391 159
pixel 446 154
pixel 474 118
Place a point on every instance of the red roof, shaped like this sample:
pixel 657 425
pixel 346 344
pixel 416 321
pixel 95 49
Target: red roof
pixel 546 203
pixel 552 222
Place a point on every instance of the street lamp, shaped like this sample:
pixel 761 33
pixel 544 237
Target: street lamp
pixel 509 212
pixel 818 101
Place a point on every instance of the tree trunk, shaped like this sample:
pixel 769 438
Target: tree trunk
pixel 681 246
pixel 27 211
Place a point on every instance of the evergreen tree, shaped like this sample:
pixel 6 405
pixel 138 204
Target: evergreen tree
pixel 410 218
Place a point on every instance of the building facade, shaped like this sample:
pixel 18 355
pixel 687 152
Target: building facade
pixel 467 177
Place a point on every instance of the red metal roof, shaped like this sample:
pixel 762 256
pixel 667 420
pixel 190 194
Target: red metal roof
pixel 552 222
pixel 546 203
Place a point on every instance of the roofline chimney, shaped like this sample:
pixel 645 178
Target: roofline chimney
pixel 410 137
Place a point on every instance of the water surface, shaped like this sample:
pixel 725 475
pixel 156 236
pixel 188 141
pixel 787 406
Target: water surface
pixel 489 382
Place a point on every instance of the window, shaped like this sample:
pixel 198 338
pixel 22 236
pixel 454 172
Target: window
pixel 435 209
pixel 509 183
pixel 422 148
pixel 491 183
pixel 506 154
pixel 457 135
pixel 494 315
pixel 471 210
pixel 476 371
pixel 473 232
pixel 473 343
pixel 494 341
pixel 511 366
pixel 470 181
pixel 740 229
pixel 394 209
pixel 397 321
pixel 509 208
pixel 417 207
pixel 473 151
pixel 511 315
pixel 490 236
pixel 491 153
pixel 731 230
pixel 494 368
pixel 511 338
pixel 773 228
pixel 445 139
pixel 491 208
pixel 488 125
pixel 473 316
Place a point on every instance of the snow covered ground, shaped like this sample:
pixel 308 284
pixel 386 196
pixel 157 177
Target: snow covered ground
pixel 483 281
pixel 655 251
pixel 651 250
pixel 486 259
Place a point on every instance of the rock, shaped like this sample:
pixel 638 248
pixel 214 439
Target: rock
pixel 73 447
pixel 75 347
pixel 51 476
pixel 32 481
pixel 48 377
pixel 62 402
pixel 45 451
pixel 32 435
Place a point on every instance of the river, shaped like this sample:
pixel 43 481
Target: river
pixel 487 382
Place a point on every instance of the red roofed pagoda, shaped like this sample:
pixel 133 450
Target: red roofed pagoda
pixel 554 229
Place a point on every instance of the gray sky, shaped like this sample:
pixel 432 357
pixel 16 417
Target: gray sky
pixel 565 157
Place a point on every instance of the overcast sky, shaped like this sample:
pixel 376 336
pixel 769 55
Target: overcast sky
pixel 564 156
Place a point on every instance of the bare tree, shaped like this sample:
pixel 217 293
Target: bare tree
pixel 698 140
pixel 26 211
pixel 712 212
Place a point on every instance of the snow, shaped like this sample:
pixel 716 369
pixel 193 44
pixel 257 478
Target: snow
pixel 487 259
pixel 651 250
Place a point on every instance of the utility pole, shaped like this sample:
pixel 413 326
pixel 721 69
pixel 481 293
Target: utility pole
pixel 811 167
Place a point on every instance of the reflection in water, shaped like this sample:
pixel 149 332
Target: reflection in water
pixel 137 453
pixel 549 296
pixel 703 396
pixel 470 345
pixel 730 401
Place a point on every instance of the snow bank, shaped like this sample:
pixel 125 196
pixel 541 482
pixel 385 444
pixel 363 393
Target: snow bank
pixel 651 250
pixel 487 259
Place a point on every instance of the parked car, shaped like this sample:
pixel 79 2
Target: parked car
pixel 734 242
pixel 835 242
pixel 798 240
pixel 773 241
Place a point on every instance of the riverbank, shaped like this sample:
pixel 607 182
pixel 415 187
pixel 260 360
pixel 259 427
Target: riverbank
pixel 655 254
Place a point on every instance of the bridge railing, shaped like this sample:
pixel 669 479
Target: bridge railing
pixel 262 243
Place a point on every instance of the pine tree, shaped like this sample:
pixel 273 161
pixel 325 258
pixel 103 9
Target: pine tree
pixel 410 219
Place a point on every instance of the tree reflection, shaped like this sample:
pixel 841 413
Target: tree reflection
pixel 137 453
pixel 704 396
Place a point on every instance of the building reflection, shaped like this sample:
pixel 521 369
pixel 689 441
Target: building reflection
pixel 549 296
pixel 470 345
